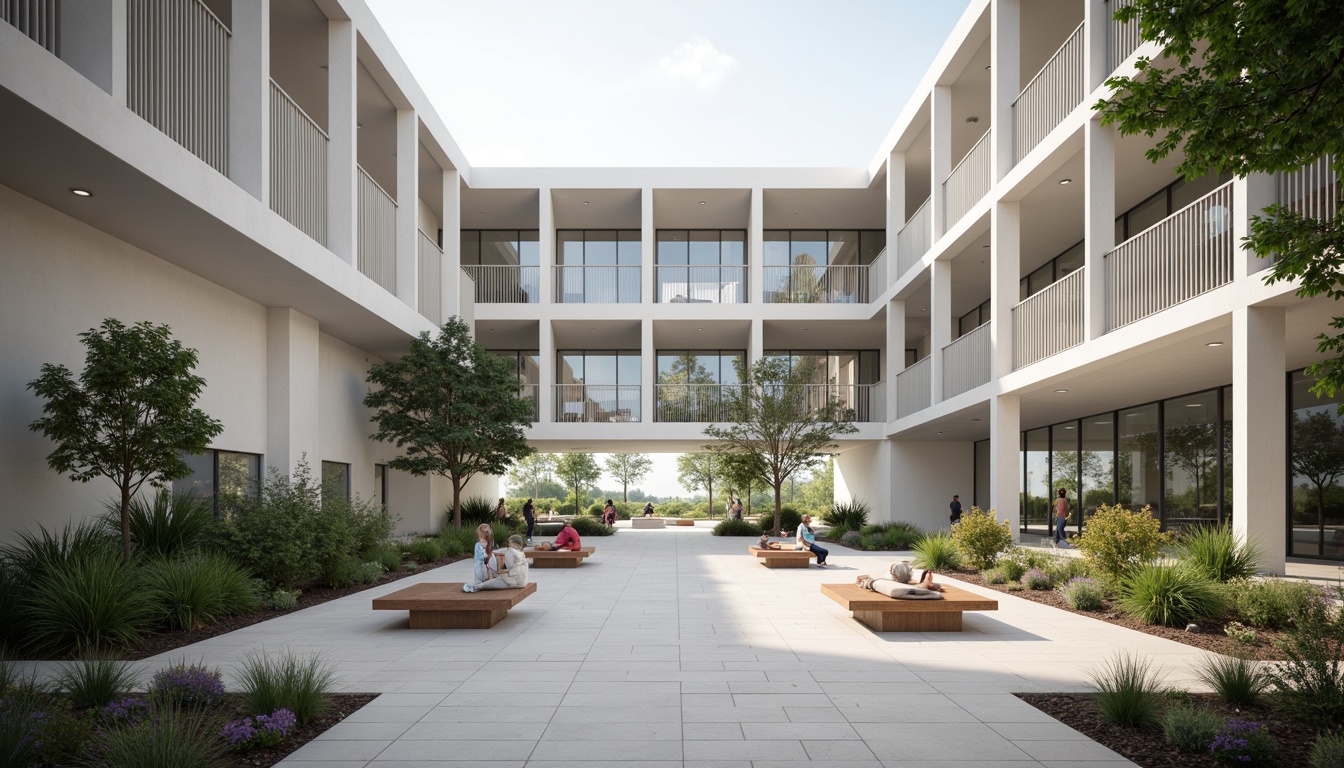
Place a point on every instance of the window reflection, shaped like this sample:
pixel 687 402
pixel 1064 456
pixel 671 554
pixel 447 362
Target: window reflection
pixel 1190 444
pixel 1316 450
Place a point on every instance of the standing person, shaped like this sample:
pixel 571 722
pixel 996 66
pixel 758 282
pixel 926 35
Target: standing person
pixel 609 513
pixel 807 539
pixel 514 573
pixel 1061 518
pixel 530 515
pixel 484 551
pixel 737 508
pixel 955 509
pixel 501 511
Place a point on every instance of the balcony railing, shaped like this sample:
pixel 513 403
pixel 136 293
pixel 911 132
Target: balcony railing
pixel 914 239
pixel 1121 39
pixel 968 182
pixel 706 284
pixel 1313 192
pixel 298 166
pixel 877 273
pixel 855 400
pixel 802 284
pixel 966 362
pixel 377 233
pixel 694 402
pixel 597 402
pixel 429 277
pixel 597 284
pixel 914 388
pixel 1050 96
pixel 1050 320
pixel 177 55
pixel 530 392
pixel 504 283
pixel 38 19
pixel 1184 255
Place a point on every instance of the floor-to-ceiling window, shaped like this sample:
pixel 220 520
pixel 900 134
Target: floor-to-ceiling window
pixel 1097 460
pixel 597 385
pixel 597 266
pixel 1190 449
pixel 701 266
pixel 697 385
pixel 1064 465
pixel 527 365
pixel 1138 460
pixel 1036 479
pixel 846 376
pixel 819 266
pixel 504 263
pixel 1316 464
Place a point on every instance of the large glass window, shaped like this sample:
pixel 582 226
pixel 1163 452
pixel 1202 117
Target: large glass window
pixel 598 266
pixel 816 266
pixel 1036 480
pixel 701 266
pixel 216 474
pixel 1138 460
pixel 980 496
pixel 597 386
pixel 336 479
pixel 1058 268
pixel 500 247
pixel 527 364
pixel 1190 451
pixel 1097 460
pixel 697 385
pixel 1316 454
pixel 1064 466
pixel 380 483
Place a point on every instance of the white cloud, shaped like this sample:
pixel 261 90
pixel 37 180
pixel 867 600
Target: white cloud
pixel 698 63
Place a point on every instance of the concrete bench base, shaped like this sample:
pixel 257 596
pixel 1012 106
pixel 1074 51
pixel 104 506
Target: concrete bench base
pixel 888 614
pixel 783 558
pixel 646 522
pixel 561 558
pixel 446 606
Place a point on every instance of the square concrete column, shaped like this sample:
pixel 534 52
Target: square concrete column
pixel 451 272
pixel 1005 276
pixel 756 341
pixel 941 162
pixel 648 372
pixel 546 258
pixel 408 199
pixel 1098 222
pixel 342 147
pixel 292 386
pixel 1005 459
pixel 648 274
pixel 1250 196
pixel 1005 46
pixel 895 216
pixel 1259 431
pixel 1096 55
pixel 546 372
pixel 940 320
pixel 895 351
pixel 756 248
pixel 250 98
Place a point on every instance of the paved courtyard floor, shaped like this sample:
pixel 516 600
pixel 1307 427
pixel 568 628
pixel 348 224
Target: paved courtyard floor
pixel 675 648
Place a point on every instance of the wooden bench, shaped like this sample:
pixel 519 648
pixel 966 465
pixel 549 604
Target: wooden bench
pixel 558 558
pixel 890 614
pixel 679 521
pixel 783 558
pixel 647 522
pixel 436 605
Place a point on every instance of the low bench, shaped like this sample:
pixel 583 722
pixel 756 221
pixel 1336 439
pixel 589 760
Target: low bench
pixel 891 614
pixel 647 522
pixel 783 558
pixel 436 605
pixel 558 558
pixel 679 521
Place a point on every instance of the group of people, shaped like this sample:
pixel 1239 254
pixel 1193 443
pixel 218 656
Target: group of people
pixel 508 569
pixel 732 509
pixel 805 538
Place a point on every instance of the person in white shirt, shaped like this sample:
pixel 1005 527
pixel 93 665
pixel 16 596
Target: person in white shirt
pixel 514 573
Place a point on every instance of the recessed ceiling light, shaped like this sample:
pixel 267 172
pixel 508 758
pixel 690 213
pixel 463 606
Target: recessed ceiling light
pixel 984 246
pixel 1214 344
pixel 1062 182
pixel 972 119
pixel 585 202
pixel 80 192
pixel 1069 427
pixel 1061 391
pixel 940 431
pixel 592 329
pixel 923 310
pixel 702 202
pixel 699 329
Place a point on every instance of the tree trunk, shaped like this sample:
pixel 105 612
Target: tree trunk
pixel 126 521
pixel 1320 518
pixel 577 507
pixel 779 504
pixel 457 503
pixel 625 493
pixel 709 482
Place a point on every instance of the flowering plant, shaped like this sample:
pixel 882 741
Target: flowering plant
pixel 1241 742
pixel 192 686
pixel 259 731
pixel 128 712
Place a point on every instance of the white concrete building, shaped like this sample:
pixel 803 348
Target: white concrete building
pixel 1010 297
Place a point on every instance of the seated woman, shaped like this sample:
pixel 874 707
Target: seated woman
pixel 568 538
pixel 895 585
pixel 514 575
pixel 807 539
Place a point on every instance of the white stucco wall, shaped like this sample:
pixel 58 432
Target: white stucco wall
pixel 910 480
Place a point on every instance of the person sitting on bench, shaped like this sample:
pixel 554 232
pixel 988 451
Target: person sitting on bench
pixel 896 584
pixel 514 575
pixel 766 543
pixel 568 539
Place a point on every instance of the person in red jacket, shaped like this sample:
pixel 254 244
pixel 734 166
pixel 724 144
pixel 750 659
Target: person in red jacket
pixel 568 538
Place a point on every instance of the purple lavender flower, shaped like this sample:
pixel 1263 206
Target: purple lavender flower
pixel 193 686
pixel 1241 742
pixel 127 712
pixel 259 731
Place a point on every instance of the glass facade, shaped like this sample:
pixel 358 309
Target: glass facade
pixel 221 473
pixel 818 266
pixel 1316 469
pixel 597 266
pixel 527 364
pixel 380 483
pixel 701 266
pixel 501 247
pixel 697 385
pixel 597 385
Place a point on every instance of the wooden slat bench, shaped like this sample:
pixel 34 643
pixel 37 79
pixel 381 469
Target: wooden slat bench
pixel 436 605
pixel 679 521
pixel 647 522
pixel 783 558
pixel 889 614
pixel 558 558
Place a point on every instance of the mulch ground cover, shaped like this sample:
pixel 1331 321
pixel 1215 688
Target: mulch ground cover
pixel 342 705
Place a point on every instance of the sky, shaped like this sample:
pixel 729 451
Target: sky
pixel 639 83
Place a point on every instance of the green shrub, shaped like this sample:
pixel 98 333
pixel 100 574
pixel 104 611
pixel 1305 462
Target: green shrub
pixel 849 516
pixel 995 576
pixel 1170 595
pixel 936 552
pixel 1190 729
pixel 164 524
pixel 34 556
pixel 457 541
pixel 476 510
pixel 389 557
pixel 736 528
pixel 1215 551
pixel 1084 594
pixel 67 735
pixel 1062 567
pixel 282 599
pixel 339 572
pixel 1240 632
pixel 1018 560
pixel 1310 682
pixel 1243 743
pixel 981 538
pixel 1128 691
pixel 88 604
pixel 371 525
pixel 1118 540
pixel 187 686
pixel 21 731
pixel 170 739
pixel 301 684
pixel 1037 579
pixel 370 573
pixel 587 526
pixel 10 631
pixel 1328 751
pixel 192 590
pixel 1273 603
pixel 92 683
pixel 275 535
pixel 900 536
pixel 423 551
pixel 1236 681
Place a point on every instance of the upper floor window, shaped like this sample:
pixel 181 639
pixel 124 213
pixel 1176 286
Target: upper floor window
pixel 836 366
pixel 501 247
pixel 819 266
pixel 973 319
pixel 597 385
pixel 597 266
pixel 701 266
pixel 1066 263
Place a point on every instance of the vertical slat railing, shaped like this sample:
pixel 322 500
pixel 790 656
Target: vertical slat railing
pixel 966 362
pixel 597 402
pixel 877 275
pixel 914 388
pixel 694 402
pixel 429 278
pixel 377 233
pixel 1313 191
pixel 802 284
pixel 1121 39
pixel 1050 96
pixel 1049 321
pixel 598 284
pixel 700 284
pixel 1184 255
pixel 968 182
pixel 855 400
pixel 178 74
pixel 914 239
pixel 504 283
pixel 298 166
pixel 38 19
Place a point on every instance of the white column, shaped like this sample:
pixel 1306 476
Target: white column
pixel 756 342
pixel 1249 198
pixel 1005 459
pixel 756 249
pixel 292 386
pixel 1005 276
pixel 1098 221
pixel 1259 431
pixel 895 346
pixel 648 372
pixel 342 148
pixel 648 280
pixel 940 131
pixel 250 98
pixel 546 372
pixel 408 196
pixel 1096 58
pixel 451 216
pixel 940 320
pixel 1005 44
pixel 546 256
pixel 895 215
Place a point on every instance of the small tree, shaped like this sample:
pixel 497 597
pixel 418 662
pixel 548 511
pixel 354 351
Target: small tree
pixel 578 471
pixel 452 407
pixel 700 470
pixel 742 474
pixel 780 423
pixel 531 471
pixel 628 468
pixel 130 416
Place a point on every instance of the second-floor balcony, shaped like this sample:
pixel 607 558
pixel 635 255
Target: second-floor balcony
pixel 504 283
pixel 914 239
pixel 914 388
pixel 694 402
pixel 706 284
pixel 1050 96
pixel 809 284
pixel 966 362
pixel 597 284
pixel 967 183
pixel 1049 321
pixel 597 402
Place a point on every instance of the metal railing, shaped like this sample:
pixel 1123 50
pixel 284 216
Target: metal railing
pixel 597 402
pixel 1050 96
pixel 966 362
pixel 1312 192
pixel 694 402
pixel 707 284
pixel 1186 254
pixel 855 400
pixel 968 182
pixel 429 278
pixel 505 283
pixel 1050 320
pixel 597 284
pixel 914 388
pixel 803 284
pixel 177 75
pixel 914 239
pixel 377 233
pixel 1121 39
pixel 38 19
pixel 298 166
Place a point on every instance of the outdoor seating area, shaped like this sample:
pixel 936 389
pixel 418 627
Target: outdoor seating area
pixel 889 614
pixel 639 523
pixel 783 558
pixel 558 558
pixel 434 605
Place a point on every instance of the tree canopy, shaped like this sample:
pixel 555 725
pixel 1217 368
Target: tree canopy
pixel 628 469
pixel 529 473
pixel 451 407
pixel 700 470
pixel 578 471
pixel 131 414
